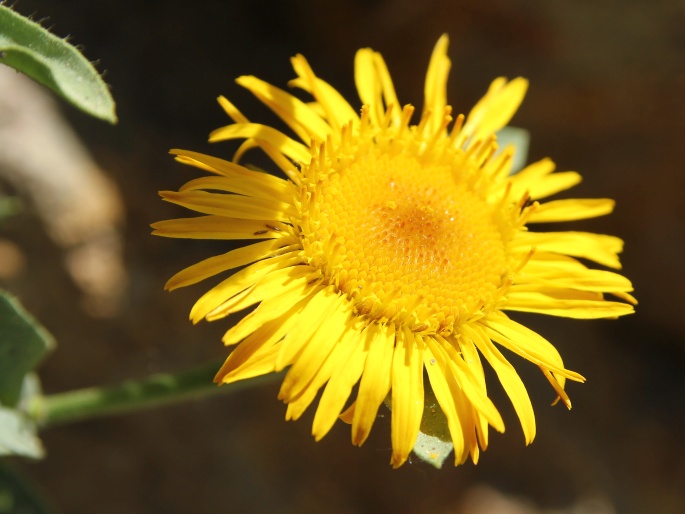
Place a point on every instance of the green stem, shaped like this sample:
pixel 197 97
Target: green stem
pixel 153 391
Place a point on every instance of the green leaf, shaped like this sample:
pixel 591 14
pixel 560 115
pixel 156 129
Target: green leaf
pixel 23 343
pixel 18 435
pixel 434 444
pixel 51 61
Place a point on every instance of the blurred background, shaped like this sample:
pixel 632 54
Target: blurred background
pixel 606 99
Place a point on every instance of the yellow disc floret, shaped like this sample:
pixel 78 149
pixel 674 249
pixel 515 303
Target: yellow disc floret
pixel 407 238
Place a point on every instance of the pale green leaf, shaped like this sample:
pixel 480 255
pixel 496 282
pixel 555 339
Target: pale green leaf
pixel 434 443
pixel 51 61
pixel 18 435
pixel 520 139
pixel 432 450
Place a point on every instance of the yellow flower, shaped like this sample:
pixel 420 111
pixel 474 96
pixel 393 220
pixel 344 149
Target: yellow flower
pixel 391 249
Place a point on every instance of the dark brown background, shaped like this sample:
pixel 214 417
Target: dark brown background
pixel 606 98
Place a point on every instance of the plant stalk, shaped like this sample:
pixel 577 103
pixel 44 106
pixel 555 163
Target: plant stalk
pixel 152 391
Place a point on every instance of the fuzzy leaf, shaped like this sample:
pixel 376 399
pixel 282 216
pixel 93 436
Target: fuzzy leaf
pixel 51 61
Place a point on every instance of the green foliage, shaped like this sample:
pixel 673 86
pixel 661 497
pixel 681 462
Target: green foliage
pixel 23 343
pixel 51 61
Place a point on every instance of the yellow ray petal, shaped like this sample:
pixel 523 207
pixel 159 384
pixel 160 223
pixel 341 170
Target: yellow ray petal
pixel 600 248
pixel 232 110
pixel 234 206
pixel 376 379
pixel 350 359
pixel 435 88
pixel 554 261
pixel 552 271
pixel 274 154
pixel 549 264
pixel 338 111
pixel 229 169
pixel 261 364
pixel 470 385
pixel 249 186
pixel 540 180
pixel 552 184
pixel 335 358
pixel 195 162
pixel 558 303
pixel 465 411
pixel 316 351
pixel 436 366
pixel 558 386
pixel 348 415
pixel 375 87
pixel 572 209
pixel 238 282
pixel 407 395
pixel 389 95
pixel 496 108
pixel 269 309
pixel 316 312
pixel 508 377
pixel 552 278
pixel 264 340
pixel 554 293
pixel 368 86
pixel 273 284
pixel 233 259
pixel 526 343
pixel 533 172
pixel 473 362
pixel 306 123
pixel 263 134
pixel 220 227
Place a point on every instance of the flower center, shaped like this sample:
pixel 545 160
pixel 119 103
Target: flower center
pixel 409 241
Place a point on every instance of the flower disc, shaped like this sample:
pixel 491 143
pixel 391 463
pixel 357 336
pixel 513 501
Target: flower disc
pixel 407 238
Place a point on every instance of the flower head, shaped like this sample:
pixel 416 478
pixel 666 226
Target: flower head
pixel 391 250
